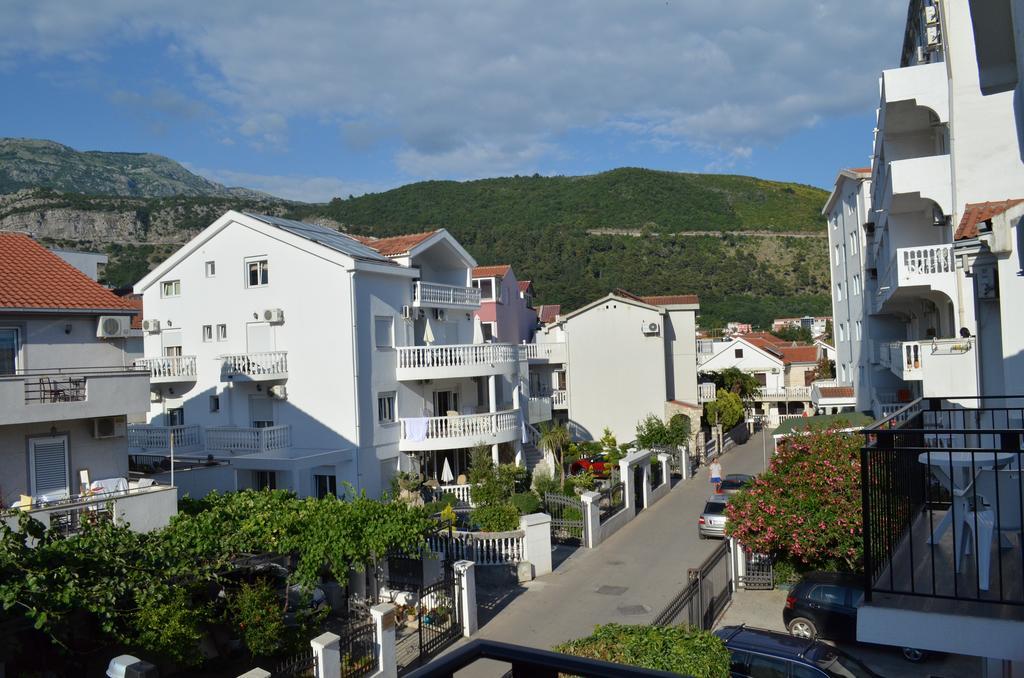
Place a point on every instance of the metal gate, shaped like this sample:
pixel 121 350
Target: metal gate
pixel 566 518
pixel 757 573
pixel 436 625
pixel 705 596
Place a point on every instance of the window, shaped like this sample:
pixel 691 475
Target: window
pixel 222 332
pixel 853 242
pixel 829 594
pixel 48 460
pixel 384 331
pixel 266 480
pixel 325 485
pixel 842 331
pixel 170 288
pixel 486 287
pixel 207 332
pixel 738 353
pixel 839 291
pixel 8 350
pixel 763 666
pixel 858 330
pixel 855 288
pixel 215 403
pixel 211 269
pixel 386 408
pixel 258 273
pixel 762 378
pixel 837 254
pixel 176 416
pixel 488 331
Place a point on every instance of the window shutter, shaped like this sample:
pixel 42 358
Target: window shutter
pixel 50 466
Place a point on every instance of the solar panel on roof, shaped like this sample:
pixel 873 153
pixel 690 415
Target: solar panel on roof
pixel 323 236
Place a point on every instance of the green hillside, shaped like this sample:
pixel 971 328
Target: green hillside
pixel 38 163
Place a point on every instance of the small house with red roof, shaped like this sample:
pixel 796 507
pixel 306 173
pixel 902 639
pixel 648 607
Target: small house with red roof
pixel 506 312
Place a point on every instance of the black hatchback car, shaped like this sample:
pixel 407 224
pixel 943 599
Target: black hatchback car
pixel 757 653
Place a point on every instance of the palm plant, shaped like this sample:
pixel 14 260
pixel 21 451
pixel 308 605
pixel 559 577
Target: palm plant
pixel 555 438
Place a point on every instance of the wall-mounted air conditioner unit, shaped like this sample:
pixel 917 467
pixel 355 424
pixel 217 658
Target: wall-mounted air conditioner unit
pixel 273 315
pixel 151 326
pixel 775 370
pixel 279 391
pixel 931 15
pixel 932 34
pixel 155 397
pixel 440 314
pixel 650 328
pixel 109 427
pixel 112 326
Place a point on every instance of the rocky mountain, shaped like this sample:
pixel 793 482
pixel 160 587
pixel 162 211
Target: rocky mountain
pixel 38 163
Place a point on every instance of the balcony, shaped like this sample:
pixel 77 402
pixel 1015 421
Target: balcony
pixel 467 430
pixel 706 392
pixel 542 353
pixel 930 267
pixel 73 393
pixel 147 438
pixel 144 508
pixel 784 393
pixel 435 295
pixel 248 440
pixel 560 399
pixel 942 498
pixel 906 183
pixel 941 364
pixel 539 409
pixel 267 366
pixel 169 369
pixel 453 361
pixel 925 85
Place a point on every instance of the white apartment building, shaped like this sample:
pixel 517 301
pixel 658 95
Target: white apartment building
pixel 67 392
pixel 294 356
pixel 621 358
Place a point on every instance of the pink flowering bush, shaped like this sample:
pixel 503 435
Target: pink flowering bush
pixel 807 508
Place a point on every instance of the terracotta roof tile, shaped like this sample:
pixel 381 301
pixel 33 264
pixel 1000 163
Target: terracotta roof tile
pixel 32 277
pixel 766 337
pixel 395 246
pixel 799 354
pixel 497 271
pixel 836 391
pixel 548 312
pixel 671 299
pixel 524 285
pixel 979 212
pixel 861 170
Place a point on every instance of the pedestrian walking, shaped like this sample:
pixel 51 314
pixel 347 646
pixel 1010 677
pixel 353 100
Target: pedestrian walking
pixel 715 471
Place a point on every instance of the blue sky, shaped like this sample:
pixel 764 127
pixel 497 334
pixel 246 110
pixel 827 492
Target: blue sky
pixel 311 99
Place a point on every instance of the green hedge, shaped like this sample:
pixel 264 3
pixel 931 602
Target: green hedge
pixel 526 503
pixel 680 649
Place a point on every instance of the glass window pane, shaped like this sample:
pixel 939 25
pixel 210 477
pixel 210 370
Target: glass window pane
pixel 8 351
pixel 762 666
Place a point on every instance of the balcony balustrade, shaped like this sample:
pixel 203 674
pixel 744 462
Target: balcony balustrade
pixel 247 440
pixel 539 409
pixel 540 353
pixel 169 369
pixel 265 366
pixel 456 360
pixel 72 393
pixel 560 399
pixel 435 295
pixel 467 430
pixel 147 438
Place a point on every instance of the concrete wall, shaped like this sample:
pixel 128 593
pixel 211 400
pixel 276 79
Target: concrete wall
pixel 681 354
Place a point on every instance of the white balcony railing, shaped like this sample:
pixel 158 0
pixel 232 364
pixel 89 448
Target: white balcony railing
pixel 560 398
pixel 247 439
pixel 706 392
pixel 464 493
pixel 148 438
pixel 551 352
pixel 784 393
pixel 267 365
pixel 169 368
pixel 446 296
pixel 909 359
pixel 456 360
pixel 487 428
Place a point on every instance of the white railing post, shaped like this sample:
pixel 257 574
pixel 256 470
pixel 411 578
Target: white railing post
pixel 591 519
pixel 384 619
pixel 537 542
pixel 464 570
pixel 327 651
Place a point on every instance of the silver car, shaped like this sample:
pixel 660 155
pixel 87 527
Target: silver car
pixel 712 521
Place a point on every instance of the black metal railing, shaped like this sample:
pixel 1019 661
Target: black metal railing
pixel 613 500
pixel 70 522
pixel 704 598
pixel 303 664
pixel 528 662
pixel 359 651
pixel 943 500
pixel 148 464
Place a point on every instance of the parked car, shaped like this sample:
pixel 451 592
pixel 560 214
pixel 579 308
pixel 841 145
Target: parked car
pixel 597 464
pixel 711 522
pixel 824 605
pixel 757 652
pixel 734 482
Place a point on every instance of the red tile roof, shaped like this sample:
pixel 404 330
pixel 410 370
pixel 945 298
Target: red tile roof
pixel 836 391
pixel 861 170
pixel 799 354
pixel 395 246
pixel 979 212
pixel 766 337
pixel 548 312
pixel 32 277
pixel 671 299
pixel 524 285
pixel 497 271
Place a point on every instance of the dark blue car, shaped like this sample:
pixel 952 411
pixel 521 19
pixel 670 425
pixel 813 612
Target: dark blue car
pixel 758 653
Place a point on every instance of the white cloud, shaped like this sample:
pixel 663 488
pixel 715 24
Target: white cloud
pixel 480 88
pixel 302 188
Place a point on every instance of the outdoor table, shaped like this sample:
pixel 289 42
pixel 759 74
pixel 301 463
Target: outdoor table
pixel 964 466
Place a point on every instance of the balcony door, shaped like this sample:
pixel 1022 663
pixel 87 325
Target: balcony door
pixel 445 402
pixel 8 350
pixel 259 338
pixel 48 464
pixel 170 343
pixel 261 411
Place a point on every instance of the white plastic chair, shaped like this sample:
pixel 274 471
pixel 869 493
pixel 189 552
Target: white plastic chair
pixel 996 512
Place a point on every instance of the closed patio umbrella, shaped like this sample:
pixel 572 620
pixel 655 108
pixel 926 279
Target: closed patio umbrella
pixel 478 330
pixel 428 333
pixel 446 473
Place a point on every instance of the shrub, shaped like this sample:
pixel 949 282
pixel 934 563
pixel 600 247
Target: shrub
pixel 496 517
pixel 544 483
pixel 679 649
pixel 582 481
pixel 256 611
pixel 807 507
pixel 448 499
pixel 726 409
pixel 526 503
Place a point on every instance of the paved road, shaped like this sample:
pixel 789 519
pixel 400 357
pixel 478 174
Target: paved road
pixel 628 579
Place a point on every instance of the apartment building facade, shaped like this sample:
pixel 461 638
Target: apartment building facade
pixel 298 357
pixel 68 393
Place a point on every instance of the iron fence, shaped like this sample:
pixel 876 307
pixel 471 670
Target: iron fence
pixel 705 596
pixel 303 664
pixel 566 518
pixel 613 500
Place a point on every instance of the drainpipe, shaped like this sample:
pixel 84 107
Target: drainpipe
pixel 355 372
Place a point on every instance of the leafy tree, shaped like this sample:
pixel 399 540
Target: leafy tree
pixel 743 384
pixel 679 649
pixel 555 439
pixel 255 611
pixel 807 507
pixel 653 432
pixel 800 333
pixel 826 369
pixel 828 336
pixel 726 409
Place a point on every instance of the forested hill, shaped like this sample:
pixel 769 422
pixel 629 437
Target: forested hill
pixel 578 238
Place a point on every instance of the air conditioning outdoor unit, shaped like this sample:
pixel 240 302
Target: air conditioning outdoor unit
pixel 279 391
pixel 650 328
pixel 155 397
pixel 108 427
pixel 933 36
pixel 931 15
pixel 775 370
pixel 273 315
pixel 111 326
pixel 407 312
pixel 151 326
pixel 440 314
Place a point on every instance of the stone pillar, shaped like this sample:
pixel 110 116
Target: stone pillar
pixel 327 650
pixel 666 468
pixel 645 464
pixel 537 541
pixel 628 493
pixel 384 619
pixel 256 673
pixel 464 570
pixel 591 519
